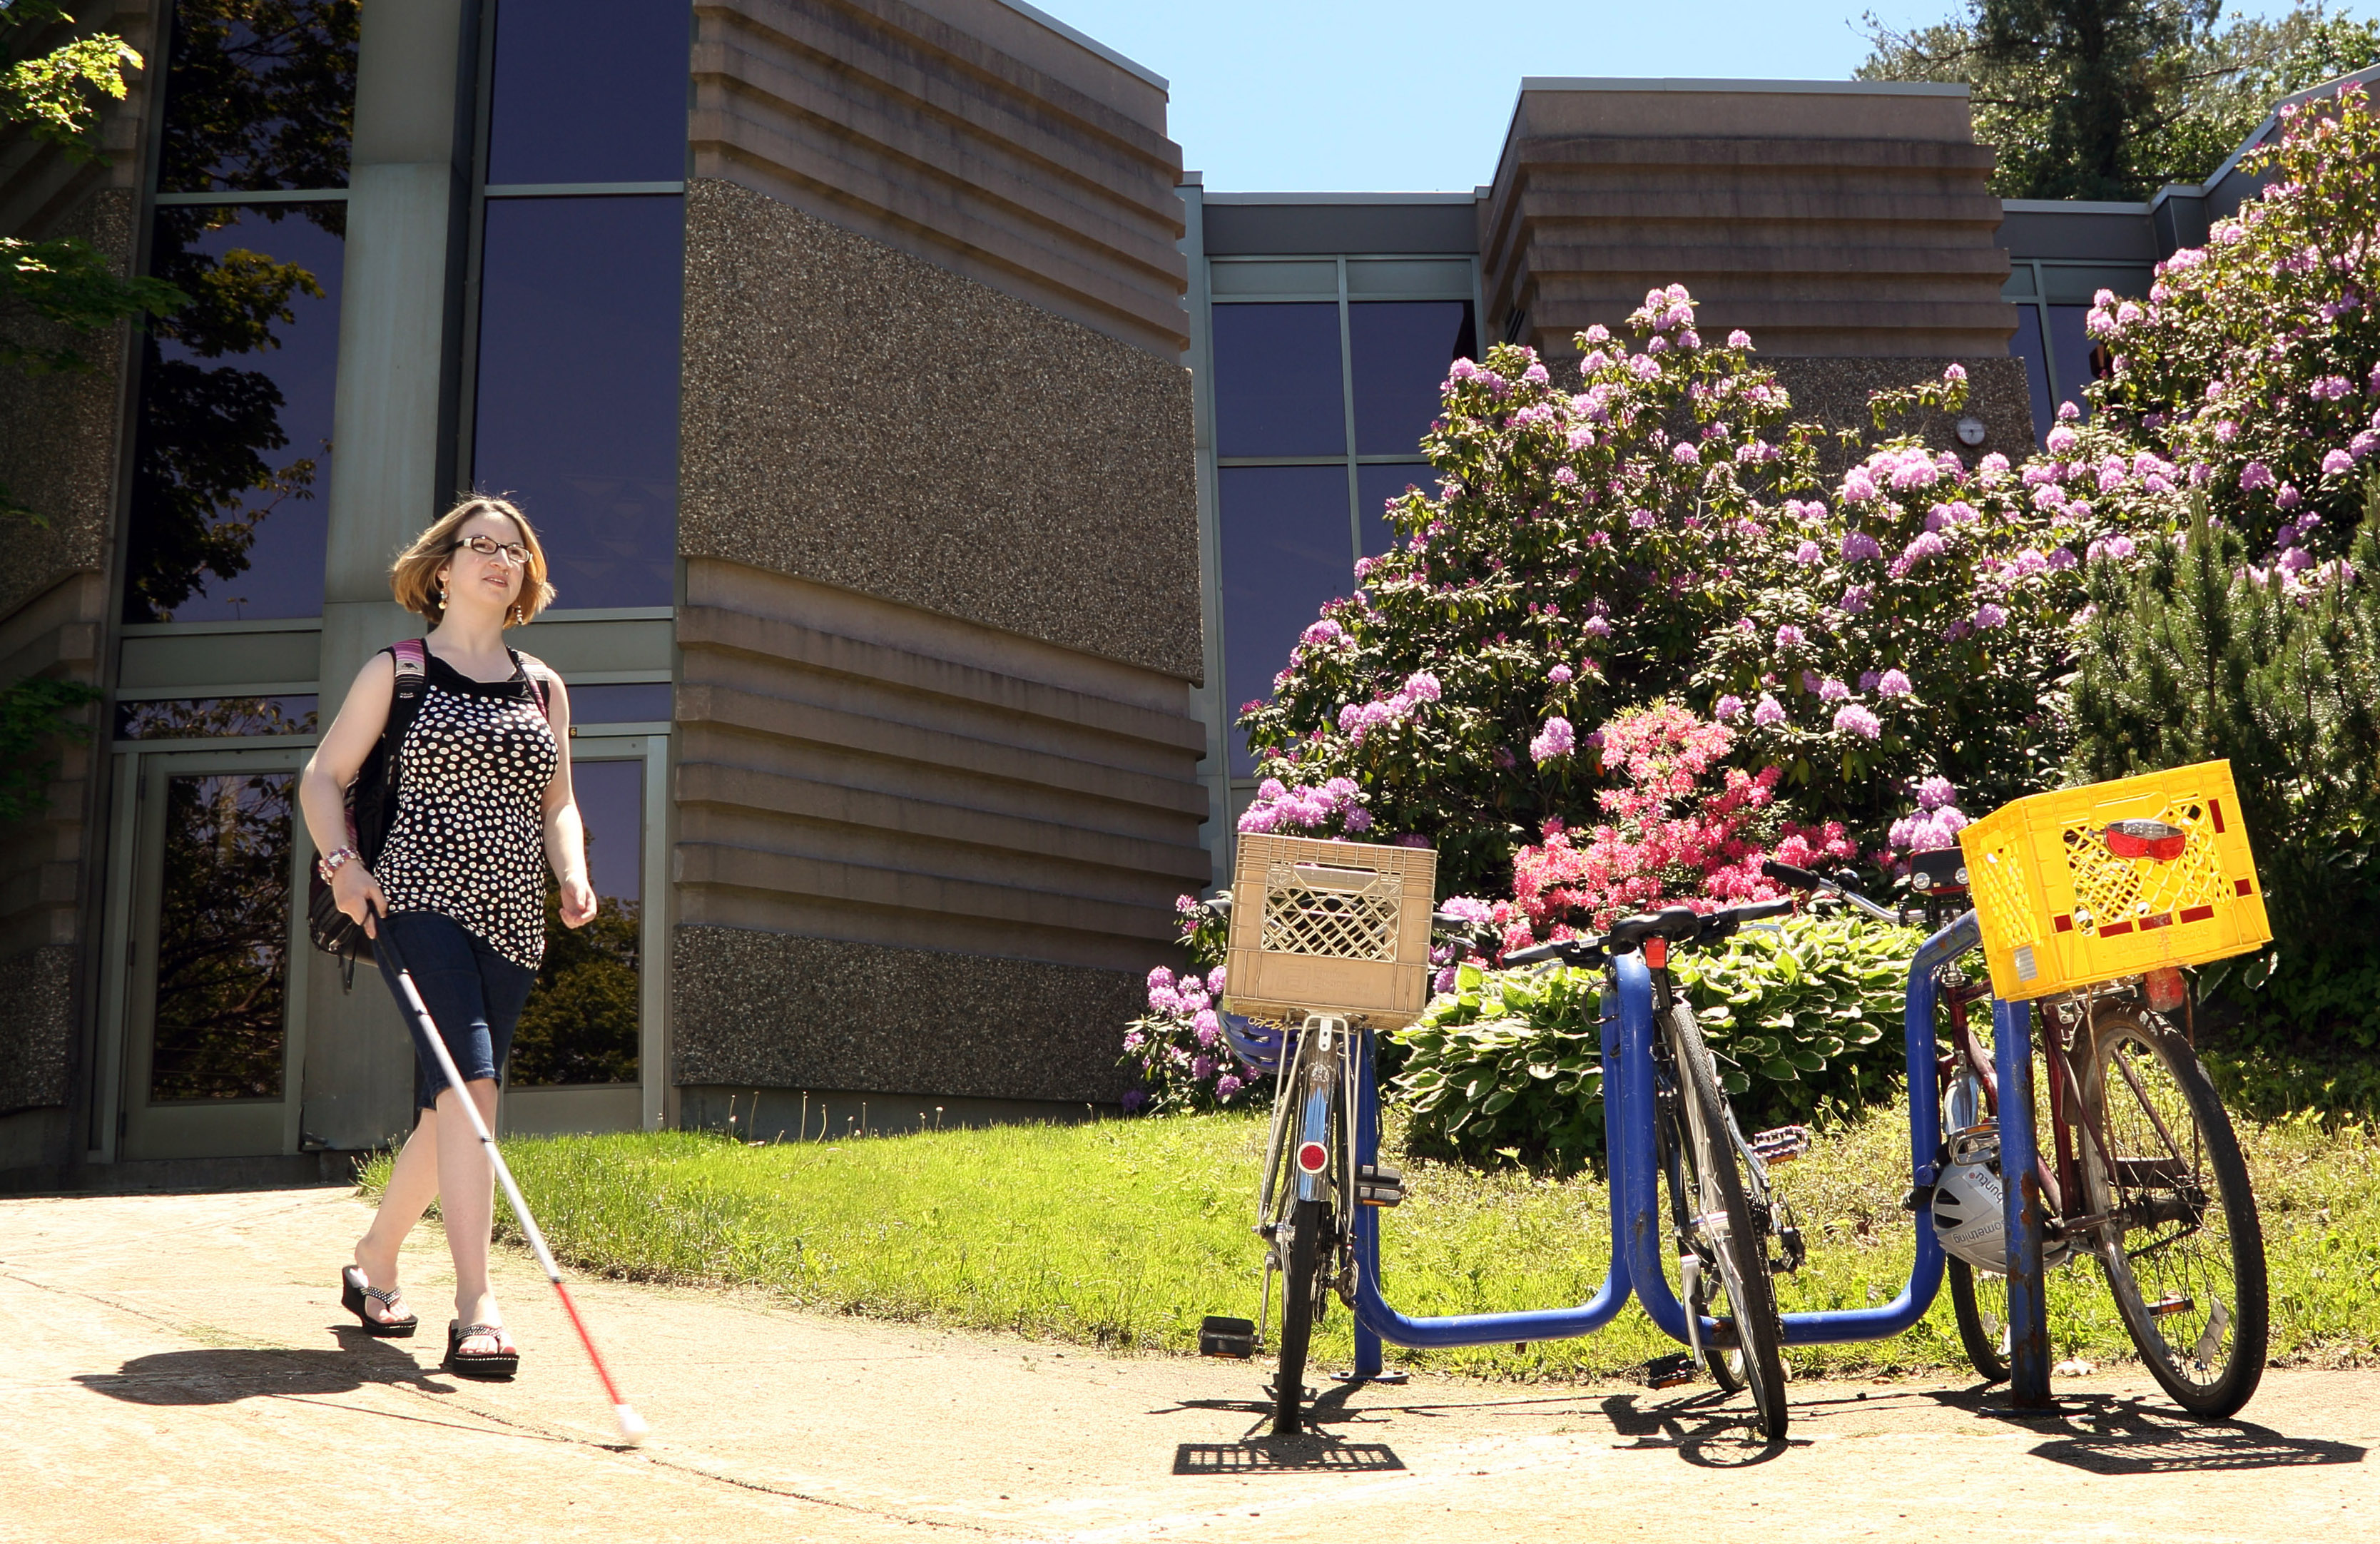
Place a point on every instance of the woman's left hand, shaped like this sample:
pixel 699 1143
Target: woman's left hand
pixel 577 902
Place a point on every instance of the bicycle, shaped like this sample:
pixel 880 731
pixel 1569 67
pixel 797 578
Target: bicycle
pixel 1322 1185
pixel 2139 1146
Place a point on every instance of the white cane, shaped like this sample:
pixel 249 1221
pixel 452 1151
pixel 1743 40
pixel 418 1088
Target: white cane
pixel 633 1428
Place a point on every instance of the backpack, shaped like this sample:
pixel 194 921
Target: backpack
pixel 371 798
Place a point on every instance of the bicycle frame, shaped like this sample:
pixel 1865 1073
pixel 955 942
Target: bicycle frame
pixel 1638 1229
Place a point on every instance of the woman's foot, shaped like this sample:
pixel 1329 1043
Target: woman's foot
pixel 480 1350
pixel 386 1304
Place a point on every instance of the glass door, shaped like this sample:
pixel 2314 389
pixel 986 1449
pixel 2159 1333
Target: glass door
pixel 579 1057
pixel 214 1024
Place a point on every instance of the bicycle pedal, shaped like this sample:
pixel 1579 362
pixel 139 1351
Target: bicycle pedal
pixel 1783 1145
pixel 1232 1338
pixel 1376 1184
pixel 1669 1373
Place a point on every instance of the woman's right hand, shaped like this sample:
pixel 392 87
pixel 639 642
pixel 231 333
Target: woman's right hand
pixel 358 894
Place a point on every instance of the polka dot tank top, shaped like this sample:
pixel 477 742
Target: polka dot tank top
pixel 468 838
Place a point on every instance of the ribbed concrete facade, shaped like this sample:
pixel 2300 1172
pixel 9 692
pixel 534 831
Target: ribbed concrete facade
pixel 920 787
pixel 1827 218
pixel 961 130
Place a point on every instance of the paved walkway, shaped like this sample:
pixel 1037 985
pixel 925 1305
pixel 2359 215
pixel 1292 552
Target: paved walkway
pixel 178 1370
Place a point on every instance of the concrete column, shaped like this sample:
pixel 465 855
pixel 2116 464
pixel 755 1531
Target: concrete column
pixel 392 463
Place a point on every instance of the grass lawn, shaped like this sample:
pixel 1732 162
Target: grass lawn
pixel 1121 1235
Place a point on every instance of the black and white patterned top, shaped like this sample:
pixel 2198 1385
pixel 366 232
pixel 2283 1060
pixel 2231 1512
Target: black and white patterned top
pixel 469 839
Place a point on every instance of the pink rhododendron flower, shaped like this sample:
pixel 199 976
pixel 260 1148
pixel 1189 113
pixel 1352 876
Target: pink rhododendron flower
pixel 1852 718
pixel 1770 713
pixel 1557 739
pixel 1892 683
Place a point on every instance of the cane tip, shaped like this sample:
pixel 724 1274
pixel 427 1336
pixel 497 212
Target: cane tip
pixel 633 1429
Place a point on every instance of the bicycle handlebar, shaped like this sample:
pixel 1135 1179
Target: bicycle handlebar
pixel 1681 925
pixel 1802 879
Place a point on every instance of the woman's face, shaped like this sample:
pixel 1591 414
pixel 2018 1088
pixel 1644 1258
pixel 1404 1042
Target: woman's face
pixel 493 577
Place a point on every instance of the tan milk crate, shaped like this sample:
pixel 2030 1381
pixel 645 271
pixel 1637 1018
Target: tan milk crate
pixel 1338 928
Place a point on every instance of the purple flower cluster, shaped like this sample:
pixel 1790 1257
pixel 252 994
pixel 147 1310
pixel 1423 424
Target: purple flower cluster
pixel 1936 823
pixel 1557 739
pixel 1333 808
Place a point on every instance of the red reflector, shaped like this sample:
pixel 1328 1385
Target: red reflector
pixel 2215 807
pixel 2112 929
pixel 2243 887
pixel 2196 914
pixel 2160 848
pixel 1312 1156
pixel 2162 920
pixel 2065 923
pixel 1657 953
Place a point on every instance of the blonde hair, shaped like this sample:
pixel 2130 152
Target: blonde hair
pixel 414 576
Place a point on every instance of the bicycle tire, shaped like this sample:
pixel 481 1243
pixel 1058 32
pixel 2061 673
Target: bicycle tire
pixel 2145 1082
pixel 1300 1282
pixel 1979 1302
pixel 1741 1254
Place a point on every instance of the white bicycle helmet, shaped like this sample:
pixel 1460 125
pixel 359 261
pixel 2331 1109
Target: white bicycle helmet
pixel 1968 1202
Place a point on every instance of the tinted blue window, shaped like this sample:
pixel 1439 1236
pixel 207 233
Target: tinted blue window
pixel 634 702
pixel 2072 347
pixel 588 90
pixel 1399 351
pixel 216 717
pixel 232 459
pixel 1375 485
pixel 579 1025
pixel 259 94
pixel 1286 551
pixel 1277 381
pixel 2027 343
pixel 578 387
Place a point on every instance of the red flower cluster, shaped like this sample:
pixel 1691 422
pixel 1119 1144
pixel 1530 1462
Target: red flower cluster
pixel 1682 828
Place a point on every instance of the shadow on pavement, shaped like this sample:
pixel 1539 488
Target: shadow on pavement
pixel 1311 1454
pixel 224 1375
pixel 2122 1437
pixel 1706 1437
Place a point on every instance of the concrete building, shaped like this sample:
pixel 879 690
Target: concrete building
pixel 930 463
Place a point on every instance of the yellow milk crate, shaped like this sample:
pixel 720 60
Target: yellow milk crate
pixel 2099 882
pixel 1338 928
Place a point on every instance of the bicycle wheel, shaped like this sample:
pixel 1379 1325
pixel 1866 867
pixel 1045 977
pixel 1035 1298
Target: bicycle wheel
pixel 2185 1256
pixel 1718 1227
pixel 1979 1302
pixel 1300 1306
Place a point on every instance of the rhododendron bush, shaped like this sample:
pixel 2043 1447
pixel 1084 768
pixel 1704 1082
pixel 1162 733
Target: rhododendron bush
pixel 1580 544
pixel 1663 529
pixel 2252 371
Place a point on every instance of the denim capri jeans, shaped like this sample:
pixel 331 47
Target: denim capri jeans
pixel 473 993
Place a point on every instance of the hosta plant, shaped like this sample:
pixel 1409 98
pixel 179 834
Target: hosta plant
pixel 1804 1018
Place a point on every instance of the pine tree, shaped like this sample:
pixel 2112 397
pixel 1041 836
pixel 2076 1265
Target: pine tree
pixel 2193 654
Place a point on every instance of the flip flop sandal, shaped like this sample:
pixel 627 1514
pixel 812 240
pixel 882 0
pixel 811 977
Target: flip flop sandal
pixel 479 1364
pixel 354 1288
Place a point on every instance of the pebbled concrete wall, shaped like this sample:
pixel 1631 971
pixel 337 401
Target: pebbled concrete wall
pixel 859 417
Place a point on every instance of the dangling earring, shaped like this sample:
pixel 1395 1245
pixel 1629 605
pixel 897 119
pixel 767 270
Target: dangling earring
pixel 520 620
pixel 442 594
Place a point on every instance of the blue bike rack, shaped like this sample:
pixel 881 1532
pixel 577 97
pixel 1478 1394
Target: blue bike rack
pixel 1637 1231
pixel 2022 1199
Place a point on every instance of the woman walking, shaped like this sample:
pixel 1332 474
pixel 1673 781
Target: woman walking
pixel 482 808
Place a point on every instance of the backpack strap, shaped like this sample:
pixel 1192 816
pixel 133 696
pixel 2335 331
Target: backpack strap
pixel 542 680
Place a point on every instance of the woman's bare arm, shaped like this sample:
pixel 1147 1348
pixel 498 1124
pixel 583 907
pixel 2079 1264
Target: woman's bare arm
pixel 565 834
pixel 323 786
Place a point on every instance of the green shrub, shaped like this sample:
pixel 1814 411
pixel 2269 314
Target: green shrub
pixel 1805 1019
pixel 2196 655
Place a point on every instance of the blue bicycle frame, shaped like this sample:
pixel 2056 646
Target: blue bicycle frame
pixel 1639 1231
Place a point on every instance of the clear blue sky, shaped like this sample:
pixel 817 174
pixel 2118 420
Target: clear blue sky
pixel 1308 95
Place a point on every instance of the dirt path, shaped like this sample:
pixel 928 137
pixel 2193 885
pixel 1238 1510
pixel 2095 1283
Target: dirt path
pixel 178 1369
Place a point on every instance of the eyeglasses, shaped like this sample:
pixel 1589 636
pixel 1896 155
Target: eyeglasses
pixel 488 546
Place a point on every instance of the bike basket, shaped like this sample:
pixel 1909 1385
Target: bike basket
pixel 1336 928
pixel 2094 884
